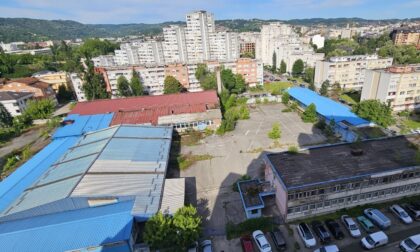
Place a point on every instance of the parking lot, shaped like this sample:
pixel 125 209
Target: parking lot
pixel 237 153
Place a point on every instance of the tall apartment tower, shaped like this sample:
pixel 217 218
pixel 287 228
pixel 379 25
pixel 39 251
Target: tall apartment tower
pixel 270 34
pixel 200 25
pixel 224 46
pixel 174 46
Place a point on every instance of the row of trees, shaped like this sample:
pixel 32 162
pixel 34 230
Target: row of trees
pixel 127 88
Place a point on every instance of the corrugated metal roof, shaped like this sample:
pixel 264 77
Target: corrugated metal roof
pixel 83 124
pixel 69 230
pixel 144 132
pixel 325 106
pixel 173 195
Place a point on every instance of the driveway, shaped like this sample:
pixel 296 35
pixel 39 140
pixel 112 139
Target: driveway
pixel 237 153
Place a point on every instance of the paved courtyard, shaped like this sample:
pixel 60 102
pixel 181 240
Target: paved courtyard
pixel 238 153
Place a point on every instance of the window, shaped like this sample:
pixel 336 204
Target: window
pixel 254 211
pixel 312 206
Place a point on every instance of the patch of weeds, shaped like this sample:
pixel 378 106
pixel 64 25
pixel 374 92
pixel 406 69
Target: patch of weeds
pixel 185 161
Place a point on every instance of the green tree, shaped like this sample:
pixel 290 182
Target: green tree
pixel 209 81
pixel 375 111
pixel 285 98
pixel 228 79
pixel 94 85
pixel 159 232
pixel 324 88
pixel 283 67
pixel 40 109
pixel 201 71
pixel 297 68
pixel 240 84
pixel 6 119
pixel 20 122
pixel 274 63
pixel 309 75
pixel 309 115
pixel 171 85
pixel 275 132
pixel 135 84
pixel 187 227
pixel 123 87
pixel 63 94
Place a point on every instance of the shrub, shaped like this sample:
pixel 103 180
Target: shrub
pixel 293 150
pixel 275 132
pixel 242 178
pixel 309 115
pixel 247 227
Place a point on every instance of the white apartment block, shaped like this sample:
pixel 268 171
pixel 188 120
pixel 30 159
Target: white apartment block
pixel 251 39
pixel 104 61
pixel 270 34
pixel 150 52
pixel 200 25
pixel 174 47
pixel 349 71
pixel 77 83
pixel 398 86
pixel 224 46
pixel 15 102
pixel 318 40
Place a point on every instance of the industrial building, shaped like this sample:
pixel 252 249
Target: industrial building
pixel 397 86
pixel 182 111
pixel 325 179
pixel 89 189
pixel 347 124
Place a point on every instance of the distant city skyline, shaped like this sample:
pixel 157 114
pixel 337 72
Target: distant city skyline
pixel 156 11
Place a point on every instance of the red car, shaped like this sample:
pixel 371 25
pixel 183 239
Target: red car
pixel 246 243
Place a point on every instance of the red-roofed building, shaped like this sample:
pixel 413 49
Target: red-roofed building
pixel 40 89
pixel 197 110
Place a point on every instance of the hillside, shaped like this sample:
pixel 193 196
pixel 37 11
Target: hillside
pixel 25 29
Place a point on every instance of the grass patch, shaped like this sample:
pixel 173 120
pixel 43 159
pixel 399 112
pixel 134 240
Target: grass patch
pixel 264 224
pixel 358 210
pixel 15 159
pixel 287 110
pixel 276 88
pixel 185 161
pixel 242 178
pixel 192 137
pixel 351 97
pixel 409 124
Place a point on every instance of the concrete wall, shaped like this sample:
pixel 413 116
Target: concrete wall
pixel 280 190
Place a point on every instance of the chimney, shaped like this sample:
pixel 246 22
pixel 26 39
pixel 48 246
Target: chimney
pixel 218 80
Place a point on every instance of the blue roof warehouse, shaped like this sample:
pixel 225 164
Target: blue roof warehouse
pixel 87 188
pixel 330 110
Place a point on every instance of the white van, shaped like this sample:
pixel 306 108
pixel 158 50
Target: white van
pixel 374 240
pixel 410 244
pixel 378 218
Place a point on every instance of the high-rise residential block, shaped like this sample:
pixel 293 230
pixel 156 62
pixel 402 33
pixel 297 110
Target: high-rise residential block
pixel 406 36
pixel 200 25
pixel 398 86
pixel 224 46
pixel 348 71
pixel 174 47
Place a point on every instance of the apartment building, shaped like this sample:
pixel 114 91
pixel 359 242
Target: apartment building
pixel 15 102
pixel 180 72
pixel 349 71
pixel 406 36
pixel 325 179
pixel 104 61
pixel 224 46
pixel 270 34
pixel 174 46
pixel 40 89
pixel 251 70
pixel 318 40
pixel 398 86
pixel 150 52
pixel 250 42
pixel 77 86
pixel 200 25
pixel 54 79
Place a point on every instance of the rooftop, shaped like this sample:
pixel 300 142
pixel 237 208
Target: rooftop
pixel 147 109
pixel 9 95
pixel 336 162
pixel 326 107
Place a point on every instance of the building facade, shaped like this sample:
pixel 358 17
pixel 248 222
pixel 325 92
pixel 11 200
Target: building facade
pixel 398 86
pixel 406 36
pixel 55 79
pixel 40 89
pixel 200 26
pixel 224 46
pixel 174 46
pixel 314 182
pixel 348 71
pixel 15 102
pixel 77 86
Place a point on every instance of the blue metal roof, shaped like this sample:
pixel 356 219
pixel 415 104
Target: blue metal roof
pixel 83 124
pixel 326 107
pixel 14 185
pixel 69 230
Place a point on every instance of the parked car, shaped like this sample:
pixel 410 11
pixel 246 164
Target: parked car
pixel 246 243
pixel 413 210
pixel 278 239
pixel 261 241
pixel 322 233
pixel 206 246
pixel 334 229
pixel 378 218
pixel 401 214
pixel 375 240
pixel 306 235
pixel 410 244
pixel 328 248
pixel 351 226
pixel 366 224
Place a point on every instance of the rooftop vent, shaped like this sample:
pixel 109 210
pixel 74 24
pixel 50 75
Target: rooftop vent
pixel 67 122
pixel 357 152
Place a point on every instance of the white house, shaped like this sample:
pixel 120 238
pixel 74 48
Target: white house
pixel 15 102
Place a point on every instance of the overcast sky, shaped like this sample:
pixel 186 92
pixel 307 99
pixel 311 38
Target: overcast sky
pixel 155 11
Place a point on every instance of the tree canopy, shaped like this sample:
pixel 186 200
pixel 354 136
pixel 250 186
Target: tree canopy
pixel 309 115
pixel 309 75
pixel 324 88
pixel 234 83
pixel 274 63
pixel 63 94
pixel 40 109
pixel 375 111
pixel 6 120
pixel 297 68
pixel 135 84
pixel 283 67
pixel 171 85
pixel 285 98
pixel 177 232
pixel 123 87
pixel 206 78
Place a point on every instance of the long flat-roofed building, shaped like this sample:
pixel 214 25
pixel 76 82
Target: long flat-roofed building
pixel 325 179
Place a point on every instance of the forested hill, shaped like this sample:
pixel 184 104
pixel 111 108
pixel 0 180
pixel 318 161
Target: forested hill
pixel 25 29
